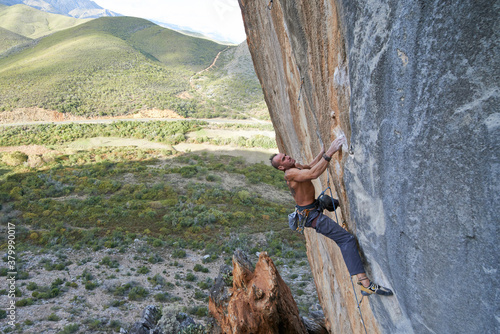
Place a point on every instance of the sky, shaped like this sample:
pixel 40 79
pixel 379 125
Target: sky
pixel 221 17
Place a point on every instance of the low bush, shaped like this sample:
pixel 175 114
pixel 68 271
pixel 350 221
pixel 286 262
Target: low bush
pixel 199 268
pixel 70 329
pixel 190 277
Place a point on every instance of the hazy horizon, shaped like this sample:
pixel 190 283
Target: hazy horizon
pixel 221 18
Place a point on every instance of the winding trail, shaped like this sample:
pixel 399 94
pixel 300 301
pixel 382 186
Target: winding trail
pixel 208 68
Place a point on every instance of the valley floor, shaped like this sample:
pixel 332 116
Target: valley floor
pixel 103 286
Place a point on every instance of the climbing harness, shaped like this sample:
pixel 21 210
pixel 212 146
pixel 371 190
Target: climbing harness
pixel 352 283
pixel 270 5
pixel 297 219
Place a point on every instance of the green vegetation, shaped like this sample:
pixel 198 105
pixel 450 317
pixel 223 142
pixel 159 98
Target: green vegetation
pixel 69 329
pixel 166 132
pixel 119 66
pixel 33 23
pixel 233 83
pixel 51 134
pixel 9 40
pixel 106 198
pixel 199 268
pixel 109 66
pixel 14 158
pixel 165 297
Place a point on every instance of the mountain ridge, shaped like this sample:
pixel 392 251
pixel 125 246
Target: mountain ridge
pixel 79 69
pixel 121 65
pixel 33 23
pixel 85 9
pixel 75 8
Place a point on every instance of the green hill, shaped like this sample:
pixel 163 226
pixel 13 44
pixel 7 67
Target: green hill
pixel 9 40
pixel 108 66
pixel 232 82
pixel 33 23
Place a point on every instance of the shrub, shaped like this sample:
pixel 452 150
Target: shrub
pixel 69 329
pixel 190 277
pixel 157 280
pixel 179 253
pixel 112 263
pixel 198 267
pixel 89 285
pixel 200 295
pixel 200 311
pixel 24 302
pixel 143 270
pixel 206 284
pixel 53 317
pixel 213 178
pixel 117 303
pixel 137 293
pixel 155 258
pixel 14 158
pixel 32 286
pixel 166 297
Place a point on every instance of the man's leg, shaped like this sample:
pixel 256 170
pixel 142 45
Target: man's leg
pixel 345 240
pixel 347 244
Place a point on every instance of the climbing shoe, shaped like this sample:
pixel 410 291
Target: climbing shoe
pixel 374 289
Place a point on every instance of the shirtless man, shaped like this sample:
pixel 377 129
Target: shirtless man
pixel 299 177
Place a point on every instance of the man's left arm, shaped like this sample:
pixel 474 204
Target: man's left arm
pixel 314 162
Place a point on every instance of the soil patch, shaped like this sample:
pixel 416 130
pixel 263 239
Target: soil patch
pixel 156 113
pixel 20 115
pixel 214 133
pixel 251 155
pixel 27 149
pixel 89 143
pixel 29 115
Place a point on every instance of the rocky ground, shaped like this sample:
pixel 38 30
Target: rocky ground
pixel 106 290
pixel 88 291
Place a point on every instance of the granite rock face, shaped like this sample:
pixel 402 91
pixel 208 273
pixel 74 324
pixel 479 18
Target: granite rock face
pixel 414 86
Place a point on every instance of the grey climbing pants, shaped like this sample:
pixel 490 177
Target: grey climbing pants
pixel 345 240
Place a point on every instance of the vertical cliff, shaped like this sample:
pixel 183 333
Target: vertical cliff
pixel 414 86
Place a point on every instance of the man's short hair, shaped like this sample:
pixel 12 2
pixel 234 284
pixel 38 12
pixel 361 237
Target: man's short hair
pixel 272 161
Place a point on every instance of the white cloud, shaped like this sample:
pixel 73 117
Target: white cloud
pixel 222 17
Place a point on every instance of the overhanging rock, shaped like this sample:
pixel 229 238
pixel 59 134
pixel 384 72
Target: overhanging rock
pixel 414 86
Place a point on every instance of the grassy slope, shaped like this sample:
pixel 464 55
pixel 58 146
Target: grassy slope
pixel 107 66
pixel 33 23
pixel 173 48
pixel 9 39
pixel 233 79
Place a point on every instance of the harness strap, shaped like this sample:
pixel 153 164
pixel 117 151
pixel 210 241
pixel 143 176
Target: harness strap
pixel 303 214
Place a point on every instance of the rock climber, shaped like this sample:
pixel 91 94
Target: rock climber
pixel 310 210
